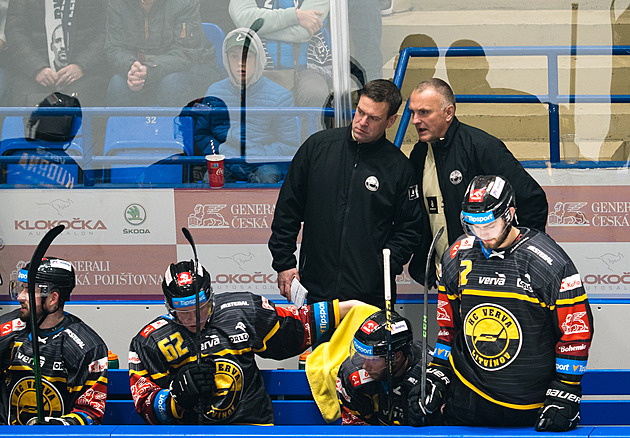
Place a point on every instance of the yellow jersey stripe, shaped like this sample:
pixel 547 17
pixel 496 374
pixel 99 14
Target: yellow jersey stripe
pixel 569 301
pixel 269 336
pixel 510 295
pixel 487 397
pixel 77 417
pixel 157 376
pixel 234 352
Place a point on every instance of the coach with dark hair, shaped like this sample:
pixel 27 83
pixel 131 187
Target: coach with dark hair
pixel 356 193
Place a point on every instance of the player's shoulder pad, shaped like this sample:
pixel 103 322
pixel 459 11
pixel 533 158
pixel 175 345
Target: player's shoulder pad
pixel 75 326
pixel 543 249
pixel 461 244
pixel 12 326
pixel 358 379
pixel 234 300
pixel 158 324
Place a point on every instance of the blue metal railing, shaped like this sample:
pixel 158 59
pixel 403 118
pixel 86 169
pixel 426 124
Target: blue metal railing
pixel 552 98
pixel 92 163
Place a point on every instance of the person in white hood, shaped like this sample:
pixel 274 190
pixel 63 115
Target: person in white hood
pixel 271 138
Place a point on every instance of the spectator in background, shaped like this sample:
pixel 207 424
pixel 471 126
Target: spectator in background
pixel 56 46
pixel 4 85
pixel 366 29
pixel 217 12
pixel 159 53
pixel 298 50
pixel 446 158
pixel 266 134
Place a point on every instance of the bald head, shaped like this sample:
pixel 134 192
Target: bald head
pixel 432 106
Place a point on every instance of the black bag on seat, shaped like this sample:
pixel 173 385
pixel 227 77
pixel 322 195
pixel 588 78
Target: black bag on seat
pixel 60 128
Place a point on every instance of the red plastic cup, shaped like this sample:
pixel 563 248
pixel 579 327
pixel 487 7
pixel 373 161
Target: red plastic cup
pixel 215 170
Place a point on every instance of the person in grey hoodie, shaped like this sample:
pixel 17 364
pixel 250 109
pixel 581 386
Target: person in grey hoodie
pixel 271 139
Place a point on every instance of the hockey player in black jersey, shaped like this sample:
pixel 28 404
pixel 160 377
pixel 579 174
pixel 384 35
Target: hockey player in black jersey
pixel 515 323
pixel 172 384
pixel 362 379
pixel 73 357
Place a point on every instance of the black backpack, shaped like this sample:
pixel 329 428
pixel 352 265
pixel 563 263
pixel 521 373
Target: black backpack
pixel 60 128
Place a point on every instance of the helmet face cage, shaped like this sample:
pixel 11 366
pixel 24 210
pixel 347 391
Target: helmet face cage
pixel 370 340
pixel 52 275
pixel 181 286
pixel 487 199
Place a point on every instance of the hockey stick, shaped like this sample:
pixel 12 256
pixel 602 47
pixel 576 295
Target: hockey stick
pixel 388 325
pixel 425 311
pixel 36 260
pixel 255 27
pixel 189 237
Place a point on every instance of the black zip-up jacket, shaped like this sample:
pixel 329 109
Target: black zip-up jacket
pixel 169 38
pixel 464 153
pixel 354 199
pixel 28 43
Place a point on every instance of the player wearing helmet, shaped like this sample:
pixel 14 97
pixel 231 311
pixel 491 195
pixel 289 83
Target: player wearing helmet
pixel 448 155
pixel 515 323
pixel 171 384
pixel 362 378
pixel 73 357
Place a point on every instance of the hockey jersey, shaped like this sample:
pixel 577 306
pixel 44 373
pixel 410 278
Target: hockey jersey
pixel 512 321
pixel 365 401
pixel 240 326
pixel 73 366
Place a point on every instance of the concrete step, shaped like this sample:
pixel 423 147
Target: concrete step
pixel 462 5
pixel 604 128
pixel 525 128
pixel 501 27
pixel 530 122
pixel 590 150
pixel 594 75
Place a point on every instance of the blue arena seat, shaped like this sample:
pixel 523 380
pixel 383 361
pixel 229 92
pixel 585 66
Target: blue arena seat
pixel 55 166
pixel 154 138
pixel 216 36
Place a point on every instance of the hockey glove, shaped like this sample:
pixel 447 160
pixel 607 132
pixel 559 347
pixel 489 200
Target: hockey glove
pixel 193 382
pixel 561 411
pixel 59 421
pixel 436 386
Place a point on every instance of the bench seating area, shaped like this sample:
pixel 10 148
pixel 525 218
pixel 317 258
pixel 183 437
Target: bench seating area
pixel 606 398
pixel 605 411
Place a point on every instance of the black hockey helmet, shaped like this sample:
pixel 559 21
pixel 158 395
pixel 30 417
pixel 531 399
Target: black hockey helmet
pixel 182 283
pixel 370 340
pixel 487 198
pixel 53 274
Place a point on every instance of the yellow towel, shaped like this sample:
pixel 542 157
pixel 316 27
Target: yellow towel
pixel 323 363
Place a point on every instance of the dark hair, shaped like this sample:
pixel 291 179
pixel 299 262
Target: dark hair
pixel 441 87
pixel 383 90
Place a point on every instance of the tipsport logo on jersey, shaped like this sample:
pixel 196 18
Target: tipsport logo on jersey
pixel 493 336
